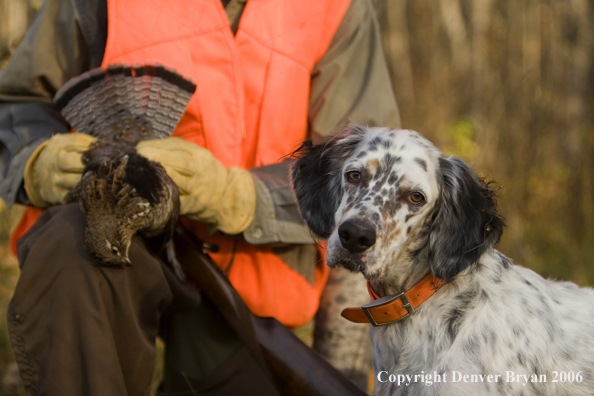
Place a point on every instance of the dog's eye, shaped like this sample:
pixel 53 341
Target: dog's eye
pixel 353 177
pixel 416 197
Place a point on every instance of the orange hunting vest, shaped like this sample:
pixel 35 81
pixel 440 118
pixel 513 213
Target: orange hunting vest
pixel 250 109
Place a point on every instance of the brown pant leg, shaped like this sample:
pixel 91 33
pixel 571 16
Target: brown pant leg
pixel 78 328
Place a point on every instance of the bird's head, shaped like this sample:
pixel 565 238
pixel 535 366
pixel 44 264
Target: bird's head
pixel 109 242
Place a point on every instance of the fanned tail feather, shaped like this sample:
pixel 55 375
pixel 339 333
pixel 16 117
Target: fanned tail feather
pixel 125 103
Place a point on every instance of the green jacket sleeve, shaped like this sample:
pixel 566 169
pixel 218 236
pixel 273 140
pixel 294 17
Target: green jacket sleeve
pixel 351 82
pixel 66 39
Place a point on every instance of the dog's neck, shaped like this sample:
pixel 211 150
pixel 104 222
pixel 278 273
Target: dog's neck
pixel 427 334
pixel 409 269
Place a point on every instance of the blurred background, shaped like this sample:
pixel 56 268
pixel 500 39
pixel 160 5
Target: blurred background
pixel 504 84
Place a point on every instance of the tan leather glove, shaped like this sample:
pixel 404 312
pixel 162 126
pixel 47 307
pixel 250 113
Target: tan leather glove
pixel 55 167
pixel 210 193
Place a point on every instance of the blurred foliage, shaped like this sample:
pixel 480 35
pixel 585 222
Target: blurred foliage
pixel 158 373
pixel 508 86
pixel 460 138
pixel 9 272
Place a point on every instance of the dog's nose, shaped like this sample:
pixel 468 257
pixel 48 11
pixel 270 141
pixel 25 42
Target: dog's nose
pixel 356 236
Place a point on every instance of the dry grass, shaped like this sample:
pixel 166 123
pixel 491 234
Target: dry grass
pixel 9 272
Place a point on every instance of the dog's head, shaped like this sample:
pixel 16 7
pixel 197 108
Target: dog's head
pixel 384 197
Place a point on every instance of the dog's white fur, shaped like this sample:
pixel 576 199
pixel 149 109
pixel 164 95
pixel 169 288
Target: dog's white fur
pixel 491 316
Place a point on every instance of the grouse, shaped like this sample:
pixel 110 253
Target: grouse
pixel 121 192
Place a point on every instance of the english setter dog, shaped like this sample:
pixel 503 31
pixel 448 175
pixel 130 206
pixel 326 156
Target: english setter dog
pixel 396 209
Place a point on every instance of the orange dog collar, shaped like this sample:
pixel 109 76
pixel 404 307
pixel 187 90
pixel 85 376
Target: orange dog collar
pixel 384 310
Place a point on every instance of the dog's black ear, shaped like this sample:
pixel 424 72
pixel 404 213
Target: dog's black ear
pixel 316 179
pixel 465 223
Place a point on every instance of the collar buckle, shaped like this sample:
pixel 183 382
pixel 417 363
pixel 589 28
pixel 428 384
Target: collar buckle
pixel 385 301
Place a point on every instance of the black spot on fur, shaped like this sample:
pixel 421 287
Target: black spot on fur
pixel 506 262
pixel 393 179
pixel 422 163
pixel 517 331
pixel 361 154
pixel 413 208
pixel 552 327
pixel 375 217
pixel 377 186
pixel 390 208
pixel 376 140
pixel 483 295
pixel 359 196
pixel 374 144
pixel 389 160
pixel 456 315
pixel 472 348
pixel 408 217
pixel 466 298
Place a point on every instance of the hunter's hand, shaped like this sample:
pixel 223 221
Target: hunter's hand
pixel 209 192
pixel 55 167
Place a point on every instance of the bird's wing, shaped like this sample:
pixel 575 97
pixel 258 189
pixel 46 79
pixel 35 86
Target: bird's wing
pixel 165 216
pixel 127 200
pixel 125 103
pixel 131 205
pixel 173 206
pixel 118 175
pixel 94 193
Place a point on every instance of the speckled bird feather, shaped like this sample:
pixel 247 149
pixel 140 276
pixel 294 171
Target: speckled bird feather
pixel 125 103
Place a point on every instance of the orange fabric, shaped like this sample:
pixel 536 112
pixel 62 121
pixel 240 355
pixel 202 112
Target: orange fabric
pixel 250 108
pixel 395 309
pixel 29 218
